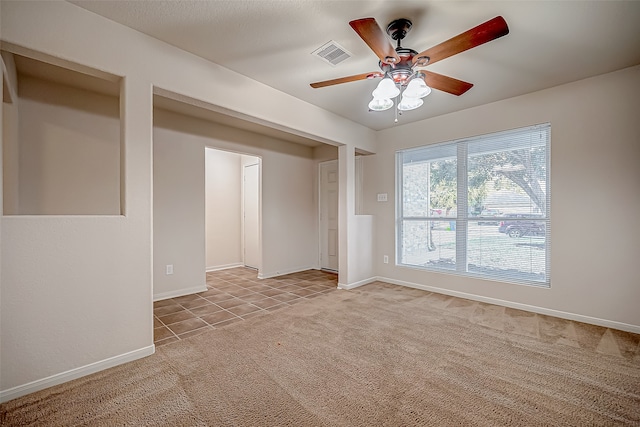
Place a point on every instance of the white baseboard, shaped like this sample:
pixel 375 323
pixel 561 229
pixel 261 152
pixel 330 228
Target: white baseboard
pixel 357 284
pixel 179 293
pixel 283 272
pixel 532 308
pixel 224 267
pixel 37 385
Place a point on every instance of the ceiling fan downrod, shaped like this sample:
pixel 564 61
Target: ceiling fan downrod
pixel 401 71
pixel 398 29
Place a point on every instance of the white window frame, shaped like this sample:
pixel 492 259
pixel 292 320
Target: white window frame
pixel 462 219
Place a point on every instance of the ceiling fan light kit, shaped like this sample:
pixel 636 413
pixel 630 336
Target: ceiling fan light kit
pixel 399 65
pixel 407 103
pixel 386 89
pixel 380 104
pixel 417 88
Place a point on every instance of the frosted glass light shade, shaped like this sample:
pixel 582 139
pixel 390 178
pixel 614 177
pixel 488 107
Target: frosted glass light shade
pixel 409 103
pixel 380 104
pixel 386 89
pixel 417 88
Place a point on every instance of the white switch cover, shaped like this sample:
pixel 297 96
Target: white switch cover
pixel 169 269
pixel 382 197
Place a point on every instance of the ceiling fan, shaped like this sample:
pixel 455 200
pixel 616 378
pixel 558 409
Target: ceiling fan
pixel 399 66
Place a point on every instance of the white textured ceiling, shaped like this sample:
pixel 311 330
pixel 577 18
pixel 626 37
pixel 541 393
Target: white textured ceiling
pixel 550 43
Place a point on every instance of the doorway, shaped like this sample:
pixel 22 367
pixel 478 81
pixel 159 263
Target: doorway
pixel 232 210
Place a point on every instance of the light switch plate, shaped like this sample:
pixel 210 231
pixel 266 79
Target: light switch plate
pixel 382 197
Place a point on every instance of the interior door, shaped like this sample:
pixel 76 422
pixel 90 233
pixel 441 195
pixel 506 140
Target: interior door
pixel 251 205
pixel 329 215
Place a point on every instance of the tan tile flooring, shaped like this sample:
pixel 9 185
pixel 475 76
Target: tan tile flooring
pixel 234 295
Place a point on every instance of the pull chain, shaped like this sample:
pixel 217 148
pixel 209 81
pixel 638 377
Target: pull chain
pixel 395 106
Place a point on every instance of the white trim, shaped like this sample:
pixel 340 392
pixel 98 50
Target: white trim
pixel 72 374
pixel 283 272
pixel 526 307
pixel 224 267
pixel 179 293
pixel 357 284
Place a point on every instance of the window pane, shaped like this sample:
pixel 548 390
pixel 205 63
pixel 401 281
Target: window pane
pixel 515 250
pixel 507 183
pixel 429 243
pixel 429 189
pixel 415 189
pixel 443 186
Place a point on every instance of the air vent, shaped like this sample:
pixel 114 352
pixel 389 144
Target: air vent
pixel 332 53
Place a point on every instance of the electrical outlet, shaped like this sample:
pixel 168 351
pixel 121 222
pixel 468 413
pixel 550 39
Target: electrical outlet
pixel 385 259
pixel 169 269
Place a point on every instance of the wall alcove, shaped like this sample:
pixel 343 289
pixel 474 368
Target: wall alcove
pixel 61 133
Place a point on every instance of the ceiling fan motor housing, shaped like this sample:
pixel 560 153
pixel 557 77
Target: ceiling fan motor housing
pixel 402 71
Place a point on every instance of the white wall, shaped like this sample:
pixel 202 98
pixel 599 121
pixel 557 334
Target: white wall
pixel 2 115
pixel 91 267
pixel 289 217
pixel 223 211
pixel 355 260
pixel 76 290
pixel 10 157
pixel 595 196
pixel 324 153
pixel 10 124
pixel 178 206
pixel 89 39
pixel 69 150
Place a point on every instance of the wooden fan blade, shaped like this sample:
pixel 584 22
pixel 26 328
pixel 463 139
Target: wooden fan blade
pixel 444 83
pixel 483 33
pixel 369 31
pixel 347 79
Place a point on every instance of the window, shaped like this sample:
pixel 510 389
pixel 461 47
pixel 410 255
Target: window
pixel 478 206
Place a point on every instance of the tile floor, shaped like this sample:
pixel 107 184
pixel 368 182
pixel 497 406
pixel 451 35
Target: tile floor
pixel 234 295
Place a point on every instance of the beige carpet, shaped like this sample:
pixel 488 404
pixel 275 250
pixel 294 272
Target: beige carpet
pixel 376 356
